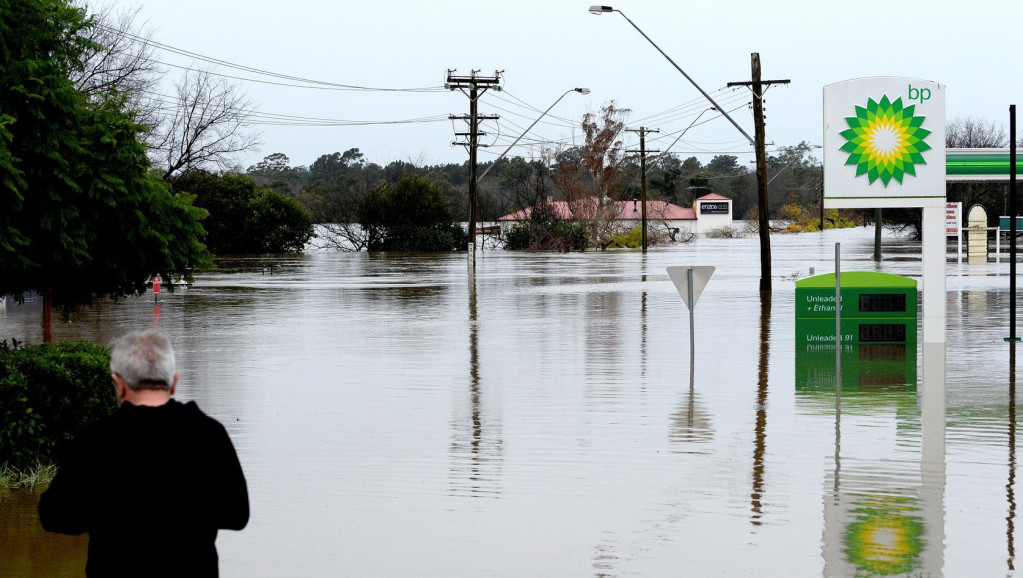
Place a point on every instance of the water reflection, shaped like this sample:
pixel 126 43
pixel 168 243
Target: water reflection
pixel 690 423
pixel 475 446
pixel 375 400
pixel 1010 486
pixel 760 430
pixel 886 517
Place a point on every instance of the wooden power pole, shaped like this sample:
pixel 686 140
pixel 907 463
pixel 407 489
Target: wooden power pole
pixel 472 86
pixel 757 85
pixel 642 172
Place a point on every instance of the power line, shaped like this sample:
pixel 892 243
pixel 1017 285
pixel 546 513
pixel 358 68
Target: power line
pixel 228 64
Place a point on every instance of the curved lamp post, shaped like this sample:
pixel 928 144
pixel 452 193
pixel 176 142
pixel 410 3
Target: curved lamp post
pixel 579 90
pixel 598 10
pixel 758 145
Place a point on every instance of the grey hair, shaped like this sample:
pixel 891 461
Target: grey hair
pixel 144 360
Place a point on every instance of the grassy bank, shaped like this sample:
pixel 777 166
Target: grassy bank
pixel 28 478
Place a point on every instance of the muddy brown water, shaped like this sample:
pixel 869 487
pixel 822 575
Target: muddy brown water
pixel 397 416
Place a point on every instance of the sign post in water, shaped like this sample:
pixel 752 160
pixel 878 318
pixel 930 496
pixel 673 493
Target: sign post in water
pixel 690 282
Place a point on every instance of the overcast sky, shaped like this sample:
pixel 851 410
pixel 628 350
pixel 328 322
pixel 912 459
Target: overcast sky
pixel 546 47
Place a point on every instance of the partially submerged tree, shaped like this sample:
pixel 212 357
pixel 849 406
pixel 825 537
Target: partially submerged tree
pixel 604 159
pixel 410 215
pixel 245 218
pixel 83 217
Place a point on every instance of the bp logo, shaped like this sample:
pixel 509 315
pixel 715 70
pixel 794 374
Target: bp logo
pixel 885 140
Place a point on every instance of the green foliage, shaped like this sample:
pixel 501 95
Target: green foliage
pixel 629 240
pixel 79 202
pixel 245 218
pixel 413 214
pixel 48 393
pixel 801 221
pixel 544 232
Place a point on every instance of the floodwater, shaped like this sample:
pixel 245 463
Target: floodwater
pixel 396 416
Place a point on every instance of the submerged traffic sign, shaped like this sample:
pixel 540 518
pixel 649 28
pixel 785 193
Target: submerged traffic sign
pixel 681 278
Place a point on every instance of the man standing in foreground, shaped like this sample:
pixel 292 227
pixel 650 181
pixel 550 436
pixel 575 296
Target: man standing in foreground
pixel 152 483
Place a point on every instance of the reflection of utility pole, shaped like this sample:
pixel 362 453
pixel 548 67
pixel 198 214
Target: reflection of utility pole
pixel 476 85
pixel 642 171
pixel 758 119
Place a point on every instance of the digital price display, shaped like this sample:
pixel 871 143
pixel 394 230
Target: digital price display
pixel 882 332
pixel 882 302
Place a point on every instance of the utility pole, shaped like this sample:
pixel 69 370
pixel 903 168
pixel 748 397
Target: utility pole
pixel 642 171
pixel 758 119
pixel 473 86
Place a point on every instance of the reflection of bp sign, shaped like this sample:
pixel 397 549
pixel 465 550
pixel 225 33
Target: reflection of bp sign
pixel 886 536
pixel 884 143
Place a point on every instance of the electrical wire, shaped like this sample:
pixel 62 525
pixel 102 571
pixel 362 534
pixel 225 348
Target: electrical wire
pixel 306 82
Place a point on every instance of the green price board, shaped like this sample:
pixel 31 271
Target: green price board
pixel 875 307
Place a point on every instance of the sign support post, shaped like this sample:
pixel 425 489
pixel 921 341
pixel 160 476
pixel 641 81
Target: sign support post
pixel 689 282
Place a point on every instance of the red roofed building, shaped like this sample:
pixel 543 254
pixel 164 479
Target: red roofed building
pixel 709 212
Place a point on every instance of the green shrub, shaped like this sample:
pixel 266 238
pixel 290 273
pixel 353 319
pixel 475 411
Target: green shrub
pixel 48 393
pixel 629 240
pixel 550 235
pixel 518 238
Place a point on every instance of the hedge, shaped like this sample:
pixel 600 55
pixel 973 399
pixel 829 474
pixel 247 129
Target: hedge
pixel 48 393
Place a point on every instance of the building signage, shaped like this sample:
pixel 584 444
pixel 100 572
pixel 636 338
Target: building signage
pixel 884 143
pixel 720 208
pixel 953 218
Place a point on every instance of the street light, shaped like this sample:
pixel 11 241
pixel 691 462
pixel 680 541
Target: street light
pixel 758 145
pixel 579 90
pixel 598 10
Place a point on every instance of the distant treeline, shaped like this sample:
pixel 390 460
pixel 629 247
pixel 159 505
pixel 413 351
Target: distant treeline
pixel 329 186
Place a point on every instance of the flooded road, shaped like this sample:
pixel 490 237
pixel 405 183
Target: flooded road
pixel 396 416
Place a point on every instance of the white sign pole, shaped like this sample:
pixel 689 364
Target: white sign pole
pixel 838 319
pixel 692 321
pixel 689 282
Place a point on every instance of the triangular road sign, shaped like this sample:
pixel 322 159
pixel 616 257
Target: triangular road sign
pixel 680 277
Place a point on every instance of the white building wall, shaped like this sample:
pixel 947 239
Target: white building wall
pixel 709 215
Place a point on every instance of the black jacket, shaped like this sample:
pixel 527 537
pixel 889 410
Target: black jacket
pixel 151 486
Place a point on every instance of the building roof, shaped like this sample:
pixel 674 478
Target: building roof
pixel 626 210
pixel 713 197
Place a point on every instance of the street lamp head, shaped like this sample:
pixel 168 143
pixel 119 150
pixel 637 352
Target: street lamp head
pixel 582 90
pixel 600 9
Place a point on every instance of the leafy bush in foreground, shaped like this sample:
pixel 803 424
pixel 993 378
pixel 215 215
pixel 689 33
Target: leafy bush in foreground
pixel 48 393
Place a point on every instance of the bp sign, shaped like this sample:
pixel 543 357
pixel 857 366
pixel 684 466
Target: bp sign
pixel 884 143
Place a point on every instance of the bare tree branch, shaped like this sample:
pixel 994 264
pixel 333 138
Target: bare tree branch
pixel 206 126
pixel 120 60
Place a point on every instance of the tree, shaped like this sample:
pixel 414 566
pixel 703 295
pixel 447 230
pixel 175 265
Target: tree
pixel 83 217
pixel 410 215
pixel 244 218
pixel 119 58
pixel 595 179
pixel 272 165
pixel 724 165
pixel 280 224
pixel 206 126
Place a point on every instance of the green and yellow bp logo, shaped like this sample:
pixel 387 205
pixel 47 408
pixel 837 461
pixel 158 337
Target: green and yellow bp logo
pixel 885 140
